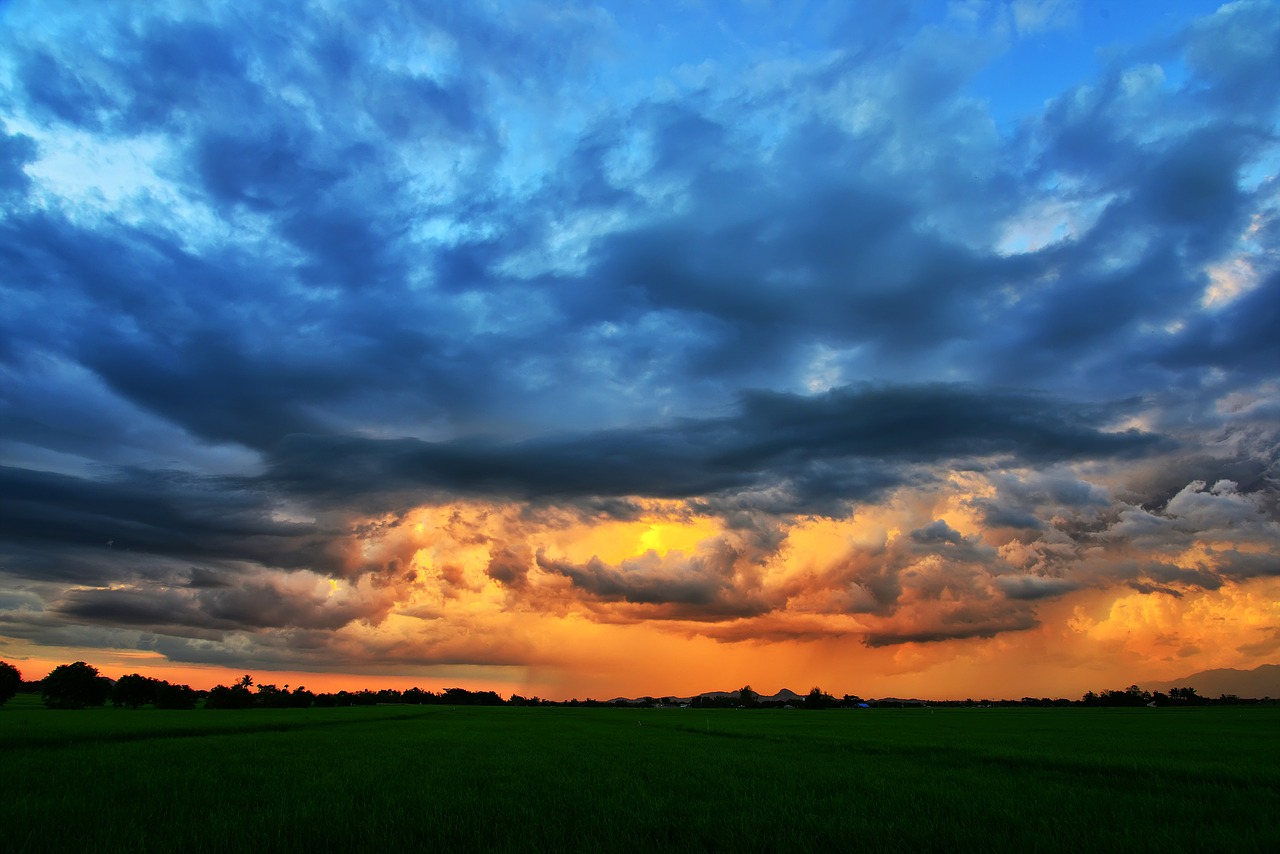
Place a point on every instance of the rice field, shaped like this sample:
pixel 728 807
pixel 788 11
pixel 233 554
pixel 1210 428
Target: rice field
pixel 422 777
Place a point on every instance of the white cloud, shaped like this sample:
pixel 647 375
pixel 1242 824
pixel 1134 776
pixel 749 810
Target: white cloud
pixel 1037 16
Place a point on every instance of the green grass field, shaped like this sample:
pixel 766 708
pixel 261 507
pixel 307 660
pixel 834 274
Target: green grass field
pixel 379 778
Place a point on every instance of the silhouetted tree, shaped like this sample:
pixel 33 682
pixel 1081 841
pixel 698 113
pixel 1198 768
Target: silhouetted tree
pixel 301 698
pixel 747 697
pixel 10 681
pixel 133 690
pixel 458 697
pixel 491 698
pixel 74 686
pixel 174 696
pixel 235 697
pixel 819 699
pixel 1131 696
pixel 271 697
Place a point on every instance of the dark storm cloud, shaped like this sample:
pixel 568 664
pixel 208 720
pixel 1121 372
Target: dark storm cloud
pixel 509 566
pixel 164 329
pixel 957 628
pixel 1239 337
pixel 150 513
pixel 1028 499
pixel 314 650
pixel 810 443
pixel 262 173
pixel 134 608
pixel 1234 51
pixel 1034 587
pixel 703 582
pixel 15 151
pixel 1251 465
pixel 1164 573
pixel 251 606
pixel 844 265
pixel 937 532
pixel 207 342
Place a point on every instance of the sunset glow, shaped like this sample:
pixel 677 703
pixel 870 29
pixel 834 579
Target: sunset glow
pixel 580 350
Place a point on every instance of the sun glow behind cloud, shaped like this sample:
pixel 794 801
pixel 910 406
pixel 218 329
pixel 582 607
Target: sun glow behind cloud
pixel 913 595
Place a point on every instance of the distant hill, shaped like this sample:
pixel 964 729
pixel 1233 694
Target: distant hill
pixel 1262 681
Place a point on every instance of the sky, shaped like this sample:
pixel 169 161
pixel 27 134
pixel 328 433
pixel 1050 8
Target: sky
pixel 591 350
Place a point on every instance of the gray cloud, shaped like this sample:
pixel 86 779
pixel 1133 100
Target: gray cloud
pixel 823 447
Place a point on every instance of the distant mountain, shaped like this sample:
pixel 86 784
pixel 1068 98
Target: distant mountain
pixel 786 695
pixel 1253 684
pixel 1259 682
pixel 902 701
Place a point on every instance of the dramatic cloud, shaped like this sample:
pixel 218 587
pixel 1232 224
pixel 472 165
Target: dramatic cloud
pixel 585 346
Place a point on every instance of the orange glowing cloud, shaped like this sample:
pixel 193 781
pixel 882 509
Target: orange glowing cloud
pixel 919 594
pixel 892 593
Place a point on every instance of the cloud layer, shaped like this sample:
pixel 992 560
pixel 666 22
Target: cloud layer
pixel 338 338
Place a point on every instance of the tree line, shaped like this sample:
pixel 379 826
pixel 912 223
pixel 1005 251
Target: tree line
pixel 79 685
